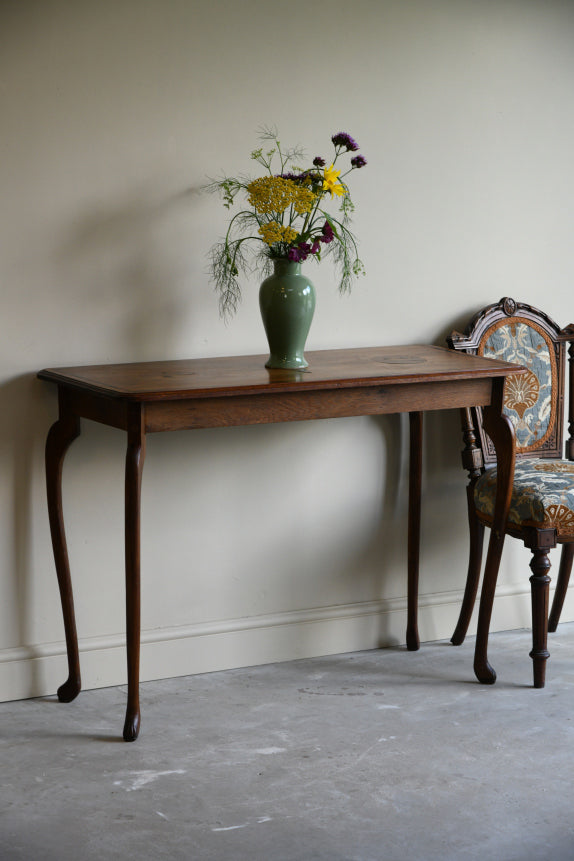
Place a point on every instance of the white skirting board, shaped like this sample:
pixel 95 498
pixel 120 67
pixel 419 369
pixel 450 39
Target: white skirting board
pixel 208 647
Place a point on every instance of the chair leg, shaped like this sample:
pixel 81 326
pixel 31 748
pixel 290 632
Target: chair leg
pixel 561 585
pixel 540 588
pixel 473 576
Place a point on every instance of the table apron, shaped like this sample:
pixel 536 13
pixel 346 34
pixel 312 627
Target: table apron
pixel 107 410
pixel 267 408
pixel 308 405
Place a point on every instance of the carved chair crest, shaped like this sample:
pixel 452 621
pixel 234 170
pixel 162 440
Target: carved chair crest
pixel 516 332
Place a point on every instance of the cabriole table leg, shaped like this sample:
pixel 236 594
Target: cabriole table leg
pixel 61 434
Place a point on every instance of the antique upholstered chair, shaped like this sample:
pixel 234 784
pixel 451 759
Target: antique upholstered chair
pixel 542 502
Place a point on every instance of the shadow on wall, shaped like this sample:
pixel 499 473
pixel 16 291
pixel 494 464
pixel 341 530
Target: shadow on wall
pixel 131 268
pixel 442 438
pixel 444 487
pixel 388 543
pixel 363 561
pixel 444 484
pixel 26 414
pixel 122 276
pixel 330 535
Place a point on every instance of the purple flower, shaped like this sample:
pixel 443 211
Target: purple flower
pixel 328 234
pixel 316 246
pixel 319 162
pixel 359 161
pixel 343 139
pixel 299 252
pixel 294 177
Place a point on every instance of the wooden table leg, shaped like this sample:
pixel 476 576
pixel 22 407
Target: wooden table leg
pixel 60 435
pixel 414 527
pixel 500 429
pixel 135 456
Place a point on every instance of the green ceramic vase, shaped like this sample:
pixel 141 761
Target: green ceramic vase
pixel 287 303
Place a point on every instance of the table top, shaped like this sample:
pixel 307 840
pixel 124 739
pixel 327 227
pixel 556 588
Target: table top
pixel 234 375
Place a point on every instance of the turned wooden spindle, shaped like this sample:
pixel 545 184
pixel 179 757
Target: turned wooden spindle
pixel 472 459
pixel 540 583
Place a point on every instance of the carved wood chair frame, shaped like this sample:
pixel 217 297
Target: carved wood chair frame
pixel 478 453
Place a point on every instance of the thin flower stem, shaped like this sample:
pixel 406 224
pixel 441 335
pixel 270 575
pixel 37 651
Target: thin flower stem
pixel 311 216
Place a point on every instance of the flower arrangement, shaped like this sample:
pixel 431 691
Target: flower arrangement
pixel 286 218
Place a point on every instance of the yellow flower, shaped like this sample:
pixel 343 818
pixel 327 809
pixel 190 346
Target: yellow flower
pixel 274 194
pixel 271 232
pixel 289 234
pixel 303 200
pixel 269 194
pixel 274 232
pixel 330 183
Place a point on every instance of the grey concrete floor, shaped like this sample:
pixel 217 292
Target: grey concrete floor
pixel 362 757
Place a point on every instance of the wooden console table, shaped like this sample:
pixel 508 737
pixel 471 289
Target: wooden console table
pixel 150 397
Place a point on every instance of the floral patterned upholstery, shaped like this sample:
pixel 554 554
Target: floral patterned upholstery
pixel 542 494
pixel 543 490
pixel 528 397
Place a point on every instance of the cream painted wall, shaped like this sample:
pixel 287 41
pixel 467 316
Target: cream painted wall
pixel 260 543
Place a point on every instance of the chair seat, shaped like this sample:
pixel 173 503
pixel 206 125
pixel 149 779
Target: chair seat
pixel 542 494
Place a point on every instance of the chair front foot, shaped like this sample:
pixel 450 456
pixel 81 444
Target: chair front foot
pixel 457 638
pixel 484 672
pixel 539 658
pixel 70 689
pixel 132 725
pixel 540 587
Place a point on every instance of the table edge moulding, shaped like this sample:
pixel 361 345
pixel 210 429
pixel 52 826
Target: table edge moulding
pixel 152 397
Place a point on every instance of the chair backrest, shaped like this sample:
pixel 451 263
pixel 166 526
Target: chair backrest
pixel 515 332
